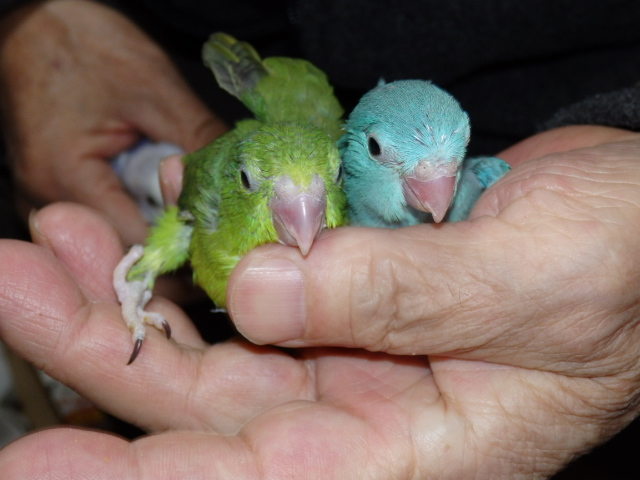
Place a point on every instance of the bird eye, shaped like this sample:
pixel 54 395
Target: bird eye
pixel 374 147
pixel 246 181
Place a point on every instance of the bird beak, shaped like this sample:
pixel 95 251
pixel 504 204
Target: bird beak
pixel 430 188
pixel 298 214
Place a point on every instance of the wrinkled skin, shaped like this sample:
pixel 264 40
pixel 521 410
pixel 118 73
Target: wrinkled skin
pixel 495 348
pixel 93 84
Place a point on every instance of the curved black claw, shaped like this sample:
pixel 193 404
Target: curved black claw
pixel 167 329
pixel 136 350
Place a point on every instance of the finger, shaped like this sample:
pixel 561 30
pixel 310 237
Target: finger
pixel 305 449
pixel 84 243
pixel 560 140
pixel 546 143
pixel 363 288
pixel 17 460
pixel 310 440
pixel 171 173
pixel 89 248
pixel 94 183
pixel 175 126
pixel 174 113
pixel 448 290
pixel 72 453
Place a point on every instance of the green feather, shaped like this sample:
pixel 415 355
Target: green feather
pixel 223 211
pixel 167 246
pixel 278 89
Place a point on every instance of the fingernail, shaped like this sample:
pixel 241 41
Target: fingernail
pixel 37 236
pixel 267 303
pixel 171 172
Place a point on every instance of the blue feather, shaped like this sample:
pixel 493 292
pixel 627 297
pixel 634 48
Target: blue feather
pixel 478 174
pixel 402 151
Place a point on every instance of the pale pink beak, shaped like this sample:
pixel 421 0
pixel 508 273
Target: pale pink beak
pixel 430 188
pixel 298 214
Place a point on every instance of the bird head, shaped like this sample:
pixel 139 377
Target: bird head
pixel 414 133
pixel 290 175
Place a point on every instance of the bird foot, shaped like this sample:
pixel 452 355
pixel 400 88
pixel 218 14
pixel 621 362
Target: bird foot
pixel 133 297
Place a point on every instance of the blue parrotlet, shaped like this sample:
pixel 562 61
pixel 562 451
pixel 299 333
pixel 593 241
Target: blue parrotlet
pixel 403 156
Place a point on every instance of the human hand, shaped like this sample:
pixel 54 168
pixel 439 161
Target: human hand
pixel 232 409
pixel 489 375
pixel 93 84
pixel 528 313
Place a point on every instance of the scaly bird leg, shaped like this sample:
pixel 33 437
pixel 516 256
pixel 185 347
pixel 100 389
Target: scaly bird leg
pixel 134 296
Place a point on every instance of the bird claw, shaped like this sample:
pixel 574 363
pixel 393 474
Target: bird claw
pixel 167 329
pixel 137 345
pixel 133 297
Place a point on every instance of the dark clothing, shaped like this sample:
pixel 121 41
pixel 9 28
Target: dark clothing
pixel 513 65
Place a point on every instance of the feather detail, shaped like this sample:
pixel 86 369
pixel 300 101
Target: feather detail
pixel 403 154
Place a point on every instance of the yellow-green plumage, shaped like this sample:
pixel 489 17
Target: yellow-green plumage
pixel 243 218
pixel 276 89
pixel 224 209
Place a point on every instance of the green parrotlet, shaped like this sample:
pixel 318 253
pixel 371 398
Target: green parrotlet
pixel 273 178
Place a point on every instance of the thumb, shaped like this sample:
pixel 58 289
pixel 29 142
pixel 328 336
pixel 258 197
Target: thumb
pixel 400 291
